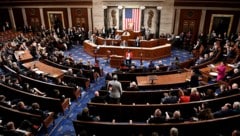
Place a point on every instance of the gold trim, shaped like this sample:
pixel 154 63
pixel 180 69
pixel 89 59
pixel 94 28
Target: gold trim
pixel 221 15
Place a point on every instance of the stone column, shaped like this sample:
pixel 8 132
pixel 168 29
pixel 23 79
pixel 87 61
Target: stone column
pixel 105 16
pixel 158 21
pixel 167 16
pixel 90 18
pixel 120 11
pixel 12 20
pixel 69 17
pixel 202 21
pixel 142 15
pixel 177 19
pixel 24 17
pixel 42 17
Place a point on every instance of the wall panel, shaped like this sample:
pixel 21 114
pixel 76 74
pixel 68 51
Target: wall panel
pixel 48 11
pixel 18 17
pixel 80 17
pixel 33 17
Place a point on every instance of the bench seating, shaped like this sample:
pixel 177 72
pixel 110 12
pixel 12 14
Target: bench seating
pixel 69 92
pixel 46 103
pixel 10 114
pixel 141 112
pixel 198 128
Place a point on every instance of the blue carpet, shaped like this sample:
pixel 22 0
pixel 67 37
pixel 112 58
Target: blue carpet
pixel 63 124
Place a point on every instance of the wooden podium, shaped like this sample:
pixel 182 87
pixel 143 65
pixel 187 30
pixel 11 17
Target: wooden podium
pixel 116 61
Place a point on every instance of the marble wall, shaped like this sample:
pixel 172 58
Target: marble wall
pixel 165 6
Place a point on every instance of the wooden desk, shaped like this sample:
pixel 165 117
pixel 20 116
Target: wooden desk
pixel 163 80
pixel 116 61
pixel 152 53
pixel 40 67
pixel 206 72
pixel 23 56
pixel 108 41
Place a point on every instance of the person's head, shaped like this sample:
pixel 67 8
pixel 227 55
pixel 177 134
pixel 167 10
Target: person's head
pixel 10 126
pixel 226 107
pixel 236 105
pixel 56 92
pixel 85 112
pixel 96 93
pixel 21 105
pixel 222 63
pixel 2 98
pixel 173 131
pixel 115 77
pixel 176 114
pixel 234 86
pixel 157 113
pixel 235 132
pixel 133 84
pixel 205 105
pixel 181 92
pixel 35 106
pixel 235 71
pixel 194 91
pixel 154 134
pixel 222 87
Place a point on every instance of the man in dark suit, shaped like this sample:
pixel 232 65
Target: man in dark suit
pixel 85 116
pixel 98 98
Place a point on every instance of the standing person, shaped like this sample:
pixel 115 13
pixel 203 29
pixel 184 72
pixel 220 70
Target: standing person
pixel 194 79
pixel 221 69
pixel 115 90
pixel 128 57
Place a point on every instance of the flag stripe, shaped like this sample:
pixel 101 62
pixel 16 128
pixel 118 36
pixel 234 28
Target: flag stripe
pixel 132 16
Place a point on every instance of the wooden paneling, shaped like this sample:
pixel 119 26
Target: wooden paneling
pixel 4 17
pixel 208 3
pixel 33 17
pixel 209 14
pixel 80 17
pixel 189 21
pixel 18 17
pixel 58 10
pixel 44 2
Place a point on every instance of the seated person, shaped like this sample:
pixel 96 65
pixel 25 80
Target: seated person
pixel 234 89
pixel 85 116
pixel 160 63
pixel 11 130
pixel 137 42
pixel 35 109
pixel 16 84
pixel 4 102
pixel 58 95
pixel 194 95
pixel 22 107
pixel 225 110
pixel 176 118
pixel 232 74
pixel 151 65
pixel 173 66
pixel 133 87
pixel 157 117
pixel 117 37
pixel 168 98
pixel 182 96
pixel 204 112
pixel 157 69
pixel 98 98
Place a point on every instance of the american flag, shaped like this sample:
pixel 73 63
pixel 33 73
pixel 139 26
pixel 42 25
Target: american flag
pixel 132 19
